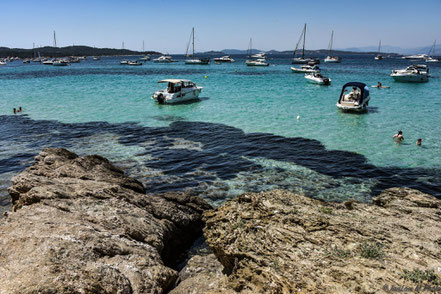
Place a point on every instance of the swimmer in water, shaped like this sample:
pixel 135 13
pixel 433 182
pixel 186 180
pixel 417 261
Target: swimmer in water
pixel 398 137
pixel 379 85
pixel 419 141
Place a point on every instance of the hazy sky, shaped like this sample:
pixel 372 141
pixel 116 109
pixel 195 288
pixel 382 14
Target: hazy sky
pixel 165 25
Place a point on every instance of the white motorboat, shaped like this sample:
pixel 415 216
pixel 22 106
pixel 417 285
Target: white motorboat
pixel 307 68
pixel 124 62
pixel 178 90
pixel 430 58
pixel 258 59
pixel 2 62
pixel 416 73
pixel 26 60
pixel 192 59
pixel 225 59
pixel 60 63
pixel 317 78
pixel 132 62
pixel 48 62
pixel 96 58
pixel 416 56
pixel 302 59
pixel 379 56
pixel 163 59
pixel 356 100
pixel 330 58
pixel 145 58
pixel 257 62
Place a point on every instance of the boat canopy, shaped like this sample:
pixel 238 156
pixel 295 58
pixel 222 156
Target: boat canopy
pixel 175 81
pixel 364 91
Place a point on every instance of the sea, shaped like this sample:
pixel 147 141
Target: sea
pixel 254 128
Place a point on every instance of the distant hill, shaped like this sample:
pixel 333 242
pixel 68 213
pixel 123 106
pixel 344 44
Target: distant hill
pixel 68 51
pixel 291 52
pixel 394 49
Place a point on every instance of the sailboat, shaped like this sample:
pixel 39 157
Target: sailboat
pixel 258 59
pixel 192 59
pixel 330 58
pixel 303 60
pixel 432 50
pixel 379 56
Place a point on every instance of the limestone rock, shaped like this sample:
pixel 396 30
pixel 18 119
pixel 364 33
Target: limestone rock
pixel 79 225
pixel 279 242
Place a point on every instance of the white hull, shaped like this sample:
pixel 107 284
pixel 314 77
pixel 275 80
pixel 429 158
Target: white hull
pixel 305 61
pixel 378 57
pixel 173 98
pixel 416 57
pixel 256 63
pixel 302 70
pixel 332 59
pixel 430 59
pixel 197 61
pixel 410 78
pixel 318 81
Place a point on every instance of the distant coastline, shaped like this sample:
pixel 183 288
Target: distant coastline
pixel 49 51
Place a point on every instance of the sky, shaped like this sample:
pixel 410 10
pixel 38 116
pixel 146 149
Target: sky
pixel 165 25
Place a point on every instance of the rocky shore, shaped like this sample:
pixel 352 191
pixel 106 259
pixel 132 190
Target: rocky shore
pixel 79 225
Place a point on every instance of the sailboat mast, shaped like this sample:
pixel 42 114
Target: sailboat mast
pixel 143 46
pixel 192 32
pixel 331 43
pixel 379 48
pixel 304 38
pixel 55 40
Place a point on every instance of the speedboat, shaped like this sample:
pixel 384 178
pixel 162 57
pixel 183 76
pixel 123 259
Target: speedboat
pixel 177 91
pixel 163 59
pixel 416 56
pixel 60 63
pixel 145 58
pixel 131 62
pixel 96 58
pixel 256 62
pixel 26 60
pixel 307 68
pixel 357 100
pixel 260 55
pixel 124 62
pixel 378 57
pixel 2 62
pixel 203 61
pixel 224 59
pixel 48 62
pixel 317 78
pixel 416 73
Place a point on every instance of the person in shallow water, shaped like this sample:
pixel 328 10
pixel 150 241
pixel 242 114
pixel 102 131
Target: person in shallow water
pixel 419 141
pixel 379 85
pixel 398 137
pixel 15 110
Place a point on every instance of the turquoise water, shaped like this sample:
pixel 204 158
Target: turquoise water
pixel 254 100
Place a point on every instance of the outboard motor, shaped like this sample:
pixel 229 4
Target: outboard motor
pixel 161 99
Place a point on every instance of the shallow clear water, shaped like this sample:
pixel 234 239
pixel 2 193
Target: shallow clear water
pixel 251 101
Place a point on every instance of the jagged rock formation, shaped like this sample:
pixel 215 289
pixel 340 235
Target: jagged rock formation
pixel 79 225
pixel 279 242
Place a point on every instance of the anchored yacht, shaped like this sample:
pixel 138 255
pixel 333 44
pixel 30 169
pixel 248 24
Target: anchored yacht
pixel 379 56
pixel 192 59
pixel 258 59
pixel 177 91
pixel 225 59
pixel 302 59
pixel 415 73
pixel 432 50
pixel 356 100
pixel 307 68
pixel 163 59
pixel 330 58
pixel 416 56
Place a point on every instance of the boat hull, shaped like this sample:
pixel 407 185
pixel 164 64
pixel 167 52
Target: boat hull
pixel 407 78
pixel 332 59
pixel 318 81
pixel 305 61
pixel 256 63
pixel 301 70
pixel 197 61
pixel 347 107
